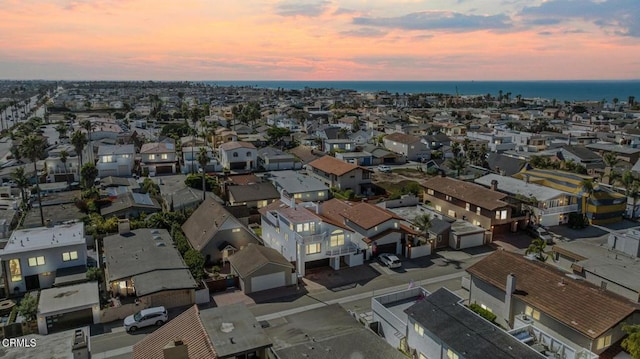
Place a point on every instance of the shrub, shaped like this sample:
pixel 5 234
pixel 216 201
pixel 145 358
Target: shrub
pixel 195 261
pixel 28 307
pixel 486 314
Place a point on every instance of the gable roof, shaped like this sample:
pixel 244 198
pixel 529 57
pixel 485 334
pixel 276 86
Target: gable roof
pixel 186 327
pixel 254 257
pixel 363 214
pixel 582 152
pixel 158 147
pixel 577 304
pixel 499 162
pixel 402 138
pixel 332 165
pixel 228 146
pixel 205 222
pixel 253 192
pixel 468 192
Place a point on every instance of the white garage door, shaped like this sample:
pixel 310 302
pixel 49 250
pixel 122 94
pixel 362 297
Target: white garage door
pixel 263 282
pixel 472 240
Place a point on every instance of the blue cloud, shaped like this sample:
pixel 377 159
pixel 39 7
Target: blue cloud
pixel 438 20
pixel 620 16
pixel 364 32
pixel 295 8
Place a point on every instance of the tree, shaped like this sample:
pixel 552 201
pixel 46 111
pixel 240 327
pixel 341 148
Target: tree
pixel 94 273
pixel 632 342
pixel 33 148
pixel 62 130
pixel 588 188
pixel 631 188
pixel 63 158
pixel 457 164
pixel 78 140
pixel 537 247
pixel 195 261
pixel 28 307
pixel 423 222
pixel 88 175
pixel 203 160
pixel 88 126
pixel 455 148
pixel 277 133
pixel 20 178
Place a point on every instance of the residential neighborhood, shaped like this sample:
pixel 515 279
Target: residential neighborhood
pixel 184 220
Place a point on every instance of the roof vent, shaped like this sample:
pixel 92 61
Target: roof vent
pixel 161 244
pixel 227 327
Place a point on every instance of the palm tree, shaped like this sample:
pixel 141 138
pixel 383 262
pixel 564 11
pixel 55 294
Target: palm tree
pixel 610 161
pixel 63 158
pixel 20 178
pixel 33 148
pixel 455 148
pixel 588 188
pixel 88 126
pixel 78 140
pixel 537 247
pixel 631 187
pixel 203 160
pixel 62 130
pixel 457 164
pixel 88 174
pixel 423 222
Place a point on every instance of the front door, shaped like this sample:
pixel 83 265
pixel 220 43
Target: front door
pixel 32 282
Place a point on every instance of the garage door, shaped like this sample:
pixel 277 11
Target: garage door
pixel 59 322
pixel 472 240
pixel 387 248
pixel 264 282
pixel 164 169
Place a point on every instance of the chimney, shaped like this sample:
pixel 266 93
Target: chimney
pixel 494 185
pixel 508 299
pixel 175 349
pixel 124 226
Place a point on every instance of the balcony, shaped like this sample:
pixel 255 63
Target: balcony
pixel 313 238
pixel 560 209
pixel 347 248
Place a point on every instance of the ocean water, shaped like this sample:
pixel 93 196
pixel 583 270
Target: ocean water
pixel 559 90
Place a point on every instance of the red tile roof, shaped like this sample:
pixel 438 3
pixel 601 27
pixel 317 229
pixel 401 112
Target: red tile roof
pixel 468 192
pixel 577 304
pixel 402 138
pixel 332 165
pixel 186 327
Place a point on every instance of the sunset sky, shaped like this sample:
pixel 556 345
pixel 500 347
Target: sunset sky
pixel 320 40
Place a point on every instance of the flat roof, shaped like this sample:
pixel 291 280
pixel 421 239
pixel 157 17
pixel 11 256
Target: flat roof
pixel 68 298
pixel 161 280
pixel 515 186
pixel 464 227
pixel 233 329
pixel 31 239
pixel 295 182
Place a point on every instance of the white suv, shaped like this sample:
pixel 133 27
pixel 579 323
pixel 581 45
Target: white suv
pixel 145 318
pixel 384 168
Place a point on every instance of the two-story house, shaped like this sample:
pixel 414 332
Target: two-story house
pixel 548 206
pixel 338 145
pixel 410 146
pixel 341 175
pixel 190 160
pixel 158 157
pixel 238 156
pixel 521 291
pixel 32 256
pixel 273 159
pixel 115 160
pixel 471 202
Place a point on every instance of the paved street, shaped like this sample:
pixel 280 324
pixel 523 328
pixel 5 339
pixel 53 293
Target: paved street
pixel 442 269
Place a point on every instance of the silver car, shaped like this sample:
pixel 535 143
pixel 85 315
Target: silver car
pixel 145 318
pixel 390 260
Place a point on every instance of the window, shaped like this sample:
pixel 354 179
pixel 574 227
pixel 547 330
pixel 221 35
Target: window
pixel 395 224
pixel 375 229
pixel 152 157
pixel 14 270
pixel 337 238
pixel 604 342
pixel 69 256
pixel 447 197
pixel 438 208
pixel 478 210
pixel 313 248
pixel 366 175
pixel 418 329
pixel 533 313
pixel 299 227
pixel 429 191
pixel 476 222
pixel 248 154
pixel 320 194
pixel 164 156
pixel 297 195
pixel 451 213
pixel 235 230
pixel 286 236
pixel 451 354
pixel 235 154
pixel 467 206
pixel 486 308
pixel 107 159
pixel 36 261
pixel 422 356
pixel 501 214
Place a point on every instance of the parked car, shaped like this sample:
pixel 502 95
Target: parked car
pixel 145 318
pixel 384 168
pixel 542 233
pixel 390 260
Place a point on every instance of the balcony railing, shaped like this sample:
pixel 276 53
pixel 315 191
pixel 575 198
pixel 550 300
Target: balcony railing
pixel 341 251
pixel 313 238
pixel 560 209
